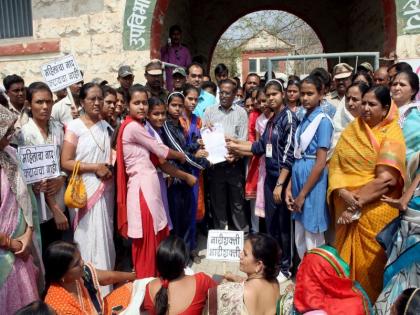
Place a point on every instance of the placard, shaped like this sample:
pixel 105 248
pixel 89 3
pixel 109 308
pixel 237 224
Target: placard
pixel 61 73
pixel 224 245
pixel 38 162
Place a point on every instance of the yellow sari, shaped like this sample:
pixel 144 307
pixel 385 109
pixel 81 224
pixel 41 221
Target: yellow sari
pixel 359 150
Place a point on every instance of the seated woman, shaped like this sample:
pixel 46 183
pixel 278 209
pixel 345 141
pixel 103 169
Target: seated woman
pixel 72 286
pixel 174 292
pixel 408 303
pixel 260 291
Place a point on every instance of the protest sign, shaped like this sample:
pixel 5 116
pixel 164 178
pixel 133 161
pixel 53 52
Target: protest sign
pixel 61 73
pixel 214 142
pixel 38 162
pixel 224 245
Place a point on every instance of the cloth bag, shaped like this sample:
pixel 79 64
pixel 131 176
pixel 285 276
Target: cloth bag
pixel 75 195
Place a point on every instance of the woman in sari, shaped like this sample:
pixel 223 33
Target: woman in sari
pixel 41 129
pixel 368 162
pixel 18 274
pixel 87 139
pixel 73 286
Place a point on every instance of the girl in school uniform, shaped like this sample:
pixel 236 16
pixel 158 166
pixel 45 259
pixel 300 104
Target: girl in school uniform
pixel 306 192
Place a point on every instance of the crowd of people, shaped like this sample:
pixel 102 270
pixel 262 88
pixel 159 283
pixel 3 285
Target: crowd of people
pixel 321 174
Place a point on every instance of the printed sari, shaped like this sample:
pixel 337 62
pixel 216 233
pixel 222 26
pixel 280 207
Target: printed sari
pixel 359 151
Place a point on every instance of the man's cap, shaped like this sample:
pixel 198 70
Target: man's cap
pixel 154 67
pixel 342 71
pixel 124 71
pixel 365 66
pixel 180 71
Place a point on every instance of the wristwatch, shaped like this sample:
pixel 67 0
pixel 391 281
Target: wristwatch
pixel 279 184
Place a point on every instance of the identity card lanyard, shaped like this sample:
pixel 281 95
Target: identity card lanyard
pixel 269 146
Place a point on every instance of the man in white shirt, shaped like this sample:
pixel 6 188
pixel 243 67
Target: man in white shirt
pixel 61 110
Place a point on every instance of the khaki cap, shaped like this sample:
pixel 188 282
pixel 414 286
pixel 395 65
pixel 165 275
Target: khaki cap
pixel 342 71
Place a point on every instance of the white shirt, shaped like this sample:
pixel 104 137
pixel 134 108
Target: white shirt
pixel 61 111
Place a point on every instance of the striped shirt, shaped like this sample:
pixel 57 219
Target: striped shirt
pixel 234 120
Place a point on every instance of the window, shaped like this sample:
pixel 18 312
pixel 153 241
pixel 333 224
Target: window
pixel 263 65
pixel 252 65
pixel 15 18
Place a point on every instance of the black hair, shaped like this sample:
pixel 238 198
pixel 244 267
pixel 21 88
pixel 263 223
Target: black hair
pixel 154 102
pixel 171 259
pixel 3 100
pixel 401 66
pixel 231 82
pixel 266 249
pixel 209 84
pixel 365 74
pixel 362 86
pixel 314 80
pixel 260 90
pixel 36 308
pixel 35 87
pixel 176 94
pixel 402 300
pixel 238 81
pixel 195 64
pixel 294 82
pixel 323 75
pixel 85 88
pixel 252 74
pixel 57 261
pixel 174 28
pixel 220 68
pixel 12 79
pixel 293 77
pixel 136 88
pixel 273 76
pixel 106 89
pixel 413 80
pixel 382 94
pixel 187 88
pixel 275 84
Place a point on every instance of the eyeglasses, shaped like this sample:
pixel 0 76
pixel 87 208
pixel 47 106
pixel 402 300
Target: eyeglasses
pixel 224 93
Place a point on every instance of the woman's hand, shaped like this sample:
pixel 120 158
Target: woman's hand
pixel 103 172
pixel 60 219
pixel 54 185
pixel 39 187
pixel 346 217
pixel 400 204
pixel 26 240
pixel 277 194
pixel 289 198
pixel 15 245
pixel 349 198
pixel 298 203
pixel 191 180
pixel 201 154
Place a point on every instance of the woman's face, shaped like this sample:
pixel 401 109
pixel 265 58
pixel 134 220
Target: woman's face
pixel 247 262
pixel 175 107
pixel 75 271
pixel 309 96
pixel 120 105
pixel 401 90
pixel 157 116
pixel 274 98
pixel 190 101
pixel 293 93
pixel 248 105
pixel 138 106
pixel 360 78
pixel 262 101
pixel 354 101
pixel 93 102
pixel 372 111
pixel 108 110
pixel 41 105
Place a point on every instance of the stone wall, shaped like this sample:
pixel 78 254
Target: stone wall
pixel 90 30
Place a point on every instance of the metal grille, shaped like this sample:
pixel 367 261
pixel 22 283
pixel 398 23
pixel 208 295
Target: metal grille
pixel 15 18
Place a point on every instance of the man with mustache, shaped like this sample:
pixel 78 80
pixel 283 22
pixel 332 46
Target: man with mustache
pixel 342 73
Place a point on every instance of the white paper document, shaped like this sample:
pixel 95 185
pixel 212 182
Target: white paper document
pixel 214 143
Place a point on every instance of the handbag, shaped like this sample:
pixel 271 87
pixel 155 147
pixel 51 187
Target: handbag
pixel 386 236
pixel 75 195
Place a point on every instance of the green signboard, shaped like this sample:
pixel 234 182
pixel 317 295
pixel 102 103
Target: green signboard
pixel 408 16
pixel 137 24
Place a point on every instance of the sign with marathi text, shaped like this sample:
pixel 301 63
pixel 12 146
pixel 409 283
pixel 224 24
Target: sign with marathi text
pixel 61 73
pixel 137 24
pixel 408 19
pixel 224 245
pixel 38 162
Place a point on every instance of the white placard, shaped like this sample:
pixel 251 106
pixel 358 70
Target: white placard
pixel 61 73
pixel 214 143
pixel 38 162
pixel 224 245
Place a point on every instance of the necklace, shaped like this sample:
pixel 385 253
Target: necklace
pixel 94 139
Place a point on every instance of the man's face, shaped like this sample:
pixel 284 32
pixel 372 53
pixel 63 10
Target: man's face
pixel 391 74
pixel 195 76
pixel 154 81
pixel 175 37
pixel 221 76
pixel 341 85
pixel 178 81
pixel 75 88
pixel 126 82
pixel 17 94
pixel 226 95
pixel 381 77
pixel 251 82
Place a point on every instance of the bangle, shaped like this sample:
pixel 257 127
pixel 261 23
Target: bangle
pixel 279 184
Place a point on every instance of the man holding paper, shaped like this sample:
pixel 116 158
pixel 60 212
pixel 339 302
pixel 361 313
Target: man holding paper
pixel 227 178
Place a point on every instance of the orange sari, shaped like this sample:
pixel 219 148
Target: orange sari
pixel 359 151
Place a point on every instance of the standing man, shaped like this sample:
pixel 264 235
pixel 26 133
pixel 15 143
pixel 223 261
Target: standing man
pixel 342 73
pixel 380 77
pixel 125 78
pixel 226 179
pixel 61 110
pixel 154 78
pixel 251 83
pixel 195 74
pixel 179 77
pixel 221 72
pixel 14 86
pixel 174 52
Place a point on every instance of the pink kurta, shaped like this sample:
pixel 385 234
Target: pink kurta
pixel 138 144
pixel 260 124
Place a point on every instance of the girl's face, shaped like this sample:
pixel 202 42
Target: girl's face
pixel 372 110
pixel 247 263
pixel 274 98
pixel 157 116
pixel 120 104
pixel 175 107
pixel 401 90
pixel 354 101
pixel 75 271
pixel 93 102
pixel 248 105
pixel 41 105
pixel 138 106
pixel 293 93
pixel 108 110
pixel 309 96
pixel 190 101
pixel 262 101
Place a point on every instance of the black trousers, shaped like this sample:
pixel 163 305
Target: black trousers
pixel 180 201
pixel 227 181
pixel 277 219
